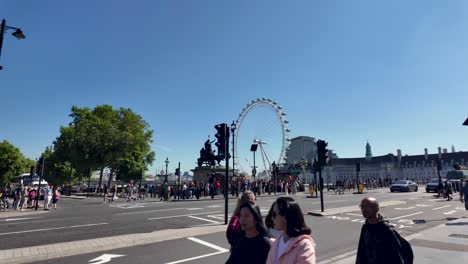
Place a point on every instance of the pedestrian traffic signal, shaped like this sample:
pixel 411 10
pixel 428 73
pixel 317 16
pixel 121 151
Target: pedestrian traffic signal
pixel 322 152
pixel 31 171
pixel 358 167
pixel 222 135
pixel 439 165
pixel 315 166
pixel 177 172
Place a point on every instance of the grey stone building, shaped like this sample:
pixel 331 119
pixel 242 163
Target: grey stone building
pixel 401 167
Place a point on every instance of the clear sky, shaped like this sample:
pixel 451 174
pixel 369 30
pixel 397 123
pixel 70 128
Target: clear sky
pixel 391 72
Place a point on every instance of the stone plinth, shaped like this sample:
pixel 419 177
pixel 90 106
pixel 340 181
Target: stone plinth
pixel 204 173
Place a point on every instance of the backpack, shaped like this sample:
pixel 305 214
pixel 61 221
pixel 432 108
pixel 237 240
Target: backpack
pixel 406 251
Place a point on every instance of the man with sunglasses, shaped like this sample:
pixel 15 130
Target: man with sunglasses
pixel 378 242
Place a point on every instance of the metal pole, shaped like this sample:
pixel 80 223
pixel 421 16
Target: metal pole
pixel 321 188
pixel 274 178
pixel 255 168
pixel 89 182
pixel 167 163
pixel 234 161
pixel 38 195
pixel 178 188
pixel 2 32
pixel 226 176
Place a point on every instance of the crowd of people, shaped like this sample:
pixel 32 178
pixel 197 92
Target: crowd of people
pixel 27 197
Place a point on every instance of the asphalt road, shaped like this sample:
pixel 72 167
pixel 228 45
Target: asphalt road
pixel 334 234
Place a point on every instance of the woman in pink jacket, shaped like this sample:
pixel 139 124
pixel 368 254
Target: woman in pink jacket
pixel 295 244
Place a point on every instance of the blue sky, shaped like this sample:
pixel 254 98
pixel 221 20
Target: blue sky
pixel 392 72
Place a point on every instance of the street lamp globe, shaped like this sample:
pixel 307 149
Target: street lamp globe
pixel 18 34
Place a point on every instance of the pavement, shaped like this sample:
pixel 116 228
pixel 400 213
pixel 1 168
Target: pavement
pixel 434 245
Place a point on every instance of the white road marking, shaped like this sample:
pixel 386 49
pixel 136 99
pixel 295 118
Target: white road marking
pixel 104 258
pixel 406 221
pixel 460 208
pixel 19 219
pixel 174 216
pixel 219 249
pixel 354 214
pixel 423 205
pixel 53 228
pixel 149 211
pixel 450 212
pixel 441 207
pixel 403 216
pixel 406 208
pixel 193 209
pixel 203 219
pixel 214 206
pixel 215 247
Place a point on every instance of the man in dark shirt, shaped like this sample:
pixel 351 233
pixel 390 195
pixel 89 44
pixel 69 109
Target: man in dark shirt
pixel 378 243
pixel 464 194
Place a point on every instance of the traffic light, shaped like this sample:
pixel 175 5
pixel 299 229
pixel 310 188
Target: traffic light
pixel 222 135
pixel 31 171
pixel 322 152
pixel 358 167
pixel 315 167
pixel 39 166
pixel 177 172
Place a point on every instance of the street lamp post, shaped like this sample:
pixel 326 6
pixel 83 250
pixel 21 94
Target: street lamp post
pixel 167 163
pixel 17 34
pixel 253 148
pixel 233 129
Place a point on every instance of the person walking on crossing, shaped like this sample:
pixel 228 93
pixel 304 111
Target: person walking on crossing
pixel 464 194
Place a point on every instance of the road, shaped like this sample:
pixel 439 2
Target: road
pixel 78 220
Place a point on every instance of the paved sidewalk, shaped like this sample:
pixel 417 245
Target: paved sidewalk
pixel 441 244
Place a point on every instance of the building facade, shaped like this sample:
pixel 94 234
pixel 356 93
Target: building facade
pixel 415 167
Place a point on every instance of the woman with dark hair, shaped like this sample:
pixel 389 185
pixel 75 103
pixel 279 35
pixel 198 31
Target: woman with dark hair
pixel 253 243
pixel 295 244
pixel 234 227
pixel 269 223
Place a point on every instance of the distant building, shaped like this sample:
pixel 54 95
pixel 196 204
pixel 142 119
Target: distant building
pixel 302 147
pixel 400 167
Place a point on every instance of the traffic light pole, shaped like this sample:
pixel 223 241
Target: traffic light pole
pixel 178 188
pixel 321 188
pixel 89 183
pixel 226 176
pixel 38 194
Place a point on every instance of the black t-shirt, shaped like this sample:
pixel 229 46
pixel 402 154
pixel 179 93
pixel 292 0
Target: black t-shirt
pixel 250 250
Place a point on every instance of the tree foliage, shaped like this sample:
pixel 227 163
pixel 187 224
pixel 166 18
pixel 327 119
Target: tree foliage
pixel 100 138
pixel 12 162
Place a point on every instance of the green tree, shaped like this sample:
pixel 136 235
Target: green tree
pixel 12 162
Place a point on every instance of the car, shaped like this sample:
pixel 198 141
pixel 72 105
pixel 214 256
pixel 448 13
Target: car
pixel 404 186
pixel 433 185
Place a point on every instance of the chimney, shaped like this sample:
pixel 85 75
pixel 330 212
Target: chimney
pixel 425 154
pixel 399 154
pixel 440 152
pixel 444 151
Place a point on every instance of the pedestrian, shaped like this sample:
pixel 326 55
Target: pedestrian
pixel 294 245
pixel 269 223
pixel 104 189
pixel 55 197
pixel 448 190
pixel 464 194
pixel 234 228
pixel 47 197
pixel 378 242
pixel 253 243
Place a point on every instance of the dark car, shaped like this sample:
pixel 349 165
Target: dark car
pixel 433 185
pixel 404 186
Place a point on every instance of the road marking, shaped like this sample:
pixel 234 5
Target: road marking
pixel 423 205
pixel 53 228
pixel 149 211
pixel 220 251
pixel 214 206
pixel 406 208
pixel 354 214
pixel 215 247
pixel 104 258
pixel 192 209
pixel 19 219
pixel 450 212
pixel 460 208
pixel 203 219
pixel 174 216
pixel 403 216
pixel 441 207
pixel 337 201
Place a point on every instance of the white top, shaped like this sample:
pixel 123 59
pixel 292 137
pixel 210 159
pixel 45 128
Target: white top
pixel 281 246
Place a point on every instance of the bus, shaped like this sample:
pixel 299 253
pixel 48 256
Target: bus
pixel 25 180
